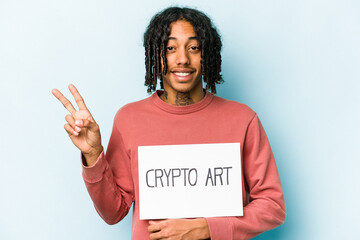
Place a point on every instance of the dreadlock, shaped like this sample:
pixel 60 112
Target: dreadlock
pixel 156 39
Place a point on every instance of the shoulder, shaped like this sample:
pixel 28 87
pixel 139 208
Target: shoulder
pixel 233 107
pixel 132 109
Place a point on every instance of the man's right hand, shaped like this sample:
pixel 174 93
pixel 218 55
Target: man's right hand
pixel 83 131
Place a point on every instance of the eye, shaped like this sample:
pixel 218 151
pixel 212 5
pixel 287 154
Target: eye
pixel 194 49
pixel 170 48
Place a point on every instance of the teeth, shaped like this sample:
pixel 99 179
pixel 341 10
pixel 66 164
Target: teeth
pixel 182 74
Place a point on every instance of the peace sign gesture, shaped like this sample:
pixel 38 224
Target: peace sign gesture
pixel 83 131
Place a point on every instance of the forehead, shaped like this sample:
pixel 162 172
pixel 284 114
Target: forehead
pixel 181 28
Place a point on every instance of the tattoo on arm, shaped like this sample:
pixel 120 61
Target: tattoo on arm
pixel 183 99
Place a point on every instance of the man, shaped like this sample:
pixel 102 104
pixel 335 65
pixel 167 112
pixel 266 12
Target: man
pixel 182 49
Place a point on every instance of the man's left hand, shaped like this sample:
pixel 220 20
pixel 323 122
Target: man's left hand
pixel 176 229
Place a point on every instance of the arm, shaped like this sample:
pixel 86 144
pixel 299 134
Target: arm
pixel 109 180
pixel 112 194
pixel 266 207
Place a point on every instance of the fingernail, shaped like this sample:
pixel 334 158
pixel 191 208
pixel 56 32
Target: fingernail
pixel 78 122
pixel 75 133
pixel 77 129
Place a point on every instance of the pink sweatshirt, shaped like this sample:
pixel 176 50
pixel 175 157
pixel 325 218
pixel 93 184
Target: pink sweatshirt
pixel 113 181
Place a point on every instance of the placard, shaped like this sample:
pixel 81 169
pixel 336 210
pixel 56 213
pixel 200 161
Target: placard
pixel 190 181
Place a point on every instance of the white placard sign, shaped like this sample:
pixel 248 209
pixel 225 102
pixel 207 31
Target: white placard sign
pixel 189 181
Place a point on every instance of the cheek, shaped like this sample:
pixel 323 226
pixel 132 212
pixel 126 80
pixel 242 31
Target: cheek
pixel 197 59
pixel 198 63
pixel 170 59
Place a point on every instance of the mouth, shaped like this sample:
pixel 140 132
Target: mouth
pixel 183 74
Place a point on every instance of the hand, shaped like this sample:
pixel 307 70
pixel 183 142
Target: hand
pixel 176 229
pixel 83 131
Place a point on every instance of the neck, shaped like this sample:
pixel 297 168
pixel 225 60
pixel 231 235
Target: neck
pixel 182 98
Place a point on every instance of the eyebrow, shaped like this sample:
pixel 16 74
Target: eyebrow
pixel 190 38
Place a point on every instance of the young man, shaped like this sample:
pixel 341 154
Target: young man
pixel 182 49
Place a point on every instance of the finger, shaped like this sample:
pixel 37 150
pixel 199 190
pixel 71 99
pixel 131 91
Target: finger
pixel 67 104
pixel 154 228
pixel 79 100
pixel 71 120
pixel 85 123
pixel 158 221
pixel 157 235
pixel 70 130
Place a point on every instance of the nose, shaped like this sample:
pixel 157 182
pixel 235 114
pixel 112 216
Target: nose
pixel 182 57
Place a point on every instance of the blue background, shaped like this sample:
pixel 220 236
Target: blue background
pixel 296 63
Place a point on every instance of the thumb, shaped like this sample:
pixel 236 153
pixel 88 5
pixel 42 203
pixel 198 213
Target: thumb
pixel 84 123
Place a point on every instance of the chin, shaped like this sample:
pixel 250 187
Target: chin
pixel 184 89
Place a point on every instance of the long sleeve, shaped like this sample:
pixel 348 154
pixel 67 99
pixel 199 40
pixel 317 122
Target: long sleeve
pixel 113 181
pixel 109 181
pixel 266 206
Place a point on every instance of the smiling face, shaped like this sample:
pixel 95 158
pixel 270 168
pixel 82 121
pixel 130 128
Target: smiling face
pixel 183 55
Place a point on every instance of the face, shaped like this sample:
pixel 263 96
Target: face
pixel 183 55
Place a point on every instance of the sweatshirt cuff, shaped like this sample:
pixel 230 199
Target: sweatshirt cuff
pixel 220 228
pixel 96 172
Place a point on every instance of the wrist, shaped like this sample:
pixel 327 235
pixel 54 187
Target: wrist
pixel 202 228
pixel 91 157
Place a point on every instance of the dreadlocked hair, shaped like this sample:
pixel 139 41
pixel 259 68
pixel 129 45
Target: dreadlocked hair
pixel 156 39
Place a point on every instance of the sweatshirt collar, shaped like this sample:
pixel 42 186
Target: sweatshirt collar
pixel 155 97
